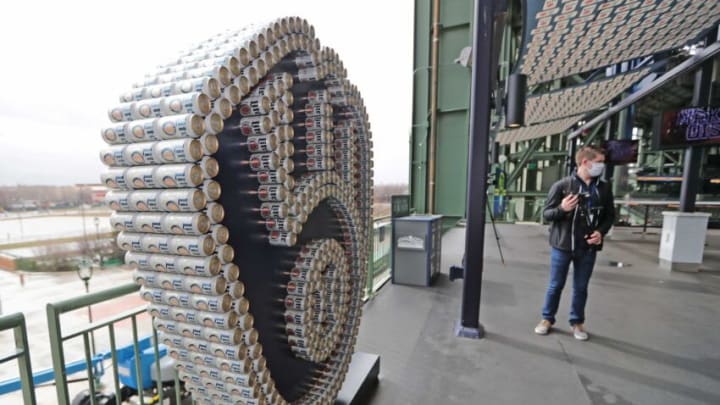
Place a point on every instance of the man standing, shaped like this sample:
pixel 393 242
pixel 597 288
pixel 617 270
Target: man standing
pixel 581 211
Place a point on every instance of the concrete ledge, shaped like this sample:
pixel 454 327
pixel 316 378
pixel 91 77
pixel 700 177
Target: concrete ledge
pixel 675 266
pixel 361 379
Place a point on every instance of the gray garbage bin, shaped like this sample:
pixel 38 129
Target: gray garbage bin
pixel 416 249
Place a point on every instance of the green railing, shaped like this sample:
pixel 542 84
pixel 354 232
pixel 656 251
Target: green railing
pixel 378 273
pixel 57 340
pixel 16 322
pixel 380 254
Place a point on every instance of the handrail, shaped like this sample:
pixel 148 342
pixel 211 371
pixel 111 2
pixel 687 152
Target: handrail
pixel 11 321
pixel 16 322
pixel 93 298
pixel 380 252
pixel 54 310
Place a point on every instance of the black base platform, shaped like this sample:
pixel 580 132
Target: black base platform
pixel 361 379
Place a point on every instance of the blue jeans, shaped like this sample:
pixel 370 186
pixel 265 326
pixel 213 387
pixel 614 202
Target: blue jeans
pixel 583 262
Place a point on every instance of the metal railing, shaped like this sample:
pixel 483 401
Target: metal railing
pixel 16 322
pixel 94 361
pixel 380 255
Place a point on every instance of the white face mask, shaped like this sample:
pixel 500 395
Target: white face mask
pixel 596 169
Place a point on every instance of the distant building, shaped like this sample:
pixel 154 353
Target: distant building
pixel 25 205
pixel 93 193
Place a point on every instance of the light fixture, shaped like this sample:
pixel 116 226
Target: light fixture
pixel 516 94
pixel 84 271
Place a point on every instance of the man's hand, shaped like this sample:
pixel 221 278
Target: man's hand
pixel 569 202
pixel 595 238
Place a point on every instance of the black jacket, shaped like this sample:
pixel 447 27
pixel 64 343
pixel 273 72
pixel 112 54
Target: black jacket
pixel 562 224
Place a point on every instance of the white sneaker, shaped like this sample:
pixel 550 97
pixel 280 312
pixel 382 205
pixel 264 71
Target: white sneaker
pixel 579 332
pixel 543 327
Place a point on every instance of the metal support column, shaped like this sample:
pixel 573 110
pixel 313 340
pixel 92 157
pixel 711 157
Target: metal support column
pixel 524 159
pixel 693 154
pixel 570 159
pixel 482 68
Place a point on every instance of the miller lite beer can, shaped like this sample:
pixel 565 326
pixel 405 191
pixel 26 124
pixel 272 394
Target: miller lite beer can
pixel 255 106
pixel 277 238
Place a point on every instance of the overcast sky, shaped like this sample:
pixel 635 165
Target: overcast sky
pixel 64 63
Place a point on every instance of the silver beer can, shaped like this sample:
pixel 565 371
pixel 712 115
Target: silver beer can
pixel 185 224
pixel 319 150
pixel 121 112
pixel 296 317
pixel 211 189
pixel 177 151
pixel 319 122
pixel 231 272
pixel 173 175
pixel 215 212
pixel 298 303
pixel 266 88
pixel 206 85
pixel 210 144
pixel 220 233
pixel 256 125
pixel 223 107
pixel 281 224
pixel 200 266
pixel 182 200
pixel 236 290
pixel 318 136
pixel 264 161
pixel 262 143
pixel 225 253
pixel 214 123
pixel 191 103
pixel 271 192
pixel 273 210
pixel 287 239
pixel 114 178
pixel 272 176
pixel 179 126
pixel 259 365
pixel 202 245
pixel 323 163
pixel 288 97
pixel 255 105
pixel 115 134
pixel 318 96
pixel 232 93
pixel 318 109
pixel 210 167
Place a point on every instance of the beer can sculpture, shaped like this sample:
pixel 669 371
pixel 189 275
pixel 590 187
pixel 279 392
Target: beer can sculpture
pixel 241 177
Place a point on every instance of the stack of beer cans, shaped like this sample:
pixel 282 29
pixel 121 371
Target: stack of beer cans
pixel 308 142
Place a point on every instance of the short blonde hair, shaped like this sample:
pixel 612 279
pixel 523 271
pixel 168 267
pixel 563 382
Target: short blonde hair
pixel 588 152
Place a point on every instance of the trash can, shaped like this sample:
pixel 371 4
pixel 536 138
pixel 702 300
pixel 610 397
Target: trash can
pixel 416 249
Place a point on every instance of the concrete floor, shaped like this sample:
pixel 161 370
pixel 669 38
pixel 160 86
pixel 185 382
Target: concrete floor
pixel 654 334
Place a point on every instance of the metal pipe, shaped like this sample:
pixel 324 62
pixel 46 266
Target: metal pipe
pixel 434 65
pixel 572 149
pixel 16 322
pixel 481 87
pixel 685 66
pixel 94 298
pixel 693 153
pixel 527 154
